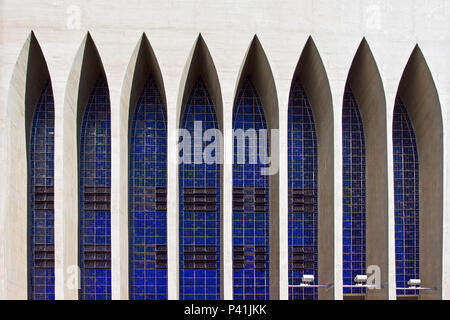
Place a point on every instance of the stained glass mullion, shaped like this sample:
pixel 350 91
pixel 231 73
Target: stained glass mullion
pixel 354 193
pixel 406 192
pixel 95 196
pixel 199 201
pixel 41 260
pixel 148 197
pixel 250 205
pixel 302 197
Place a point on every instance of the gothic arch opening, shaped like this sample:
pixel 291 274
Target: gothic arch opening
pixel 40 127
pixel 144 110
pixel 200 184
pixel 365 220
pixel 30 109
pixel 310 122
pixel 418 95
pixel 93 145
pixel 256 109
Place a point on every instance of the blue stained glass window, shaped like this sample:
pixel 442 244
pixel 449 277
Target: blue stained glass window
pixel 354 193
pixel 302 198
pixel 95 196
pixel 199 208
pixel 147 197
pixel 250 203
pixel 406 192
pixel 41 237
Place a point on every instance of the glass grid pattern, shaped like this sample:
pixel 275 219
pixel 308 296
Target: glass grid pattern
pixel 94 194
pixel 41 237
pixel 199 228
pixel 302 175
pixel 147 197
pixel 406 192
pixel 251 225
pixel 354 193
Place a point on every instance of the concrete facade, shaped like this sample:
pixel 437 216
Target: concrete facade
pixel 381 47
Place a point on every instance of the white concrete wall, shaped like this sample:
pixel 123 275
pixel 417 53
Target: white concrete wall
pixel 392 29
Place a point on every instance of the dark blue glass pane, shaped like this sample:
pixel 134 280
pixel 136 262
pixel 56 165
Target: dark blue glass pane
pixel 250 202
pixel 147 197
pixel 354 193
pixel 42 260
pixel 302 198
pixel 95 196
pixel 406 192
pixel 199 206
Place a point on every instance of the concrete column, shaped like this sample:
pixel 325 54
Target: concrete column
pixel 172 206
pixel 85 71
pixel 419 95
pixel 143 65
pixel 312 74
pixel 200 64
pixel 283 94
pixel 13 215
pixel 366 84
pixel 257 68
pixel 66 186
pixel 337 67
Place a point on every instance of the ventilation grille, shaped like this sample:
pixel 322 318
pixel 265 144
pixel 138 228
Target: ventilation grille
pixel 156 199
pixel 97 256
pixel 301 259
pixel 249 257
pixel 199 199
pixel 200 257
pixel 152 257
pixel 43 198
pixel 301 200
pixel 44 256
pixel 249 199
pixel 97 198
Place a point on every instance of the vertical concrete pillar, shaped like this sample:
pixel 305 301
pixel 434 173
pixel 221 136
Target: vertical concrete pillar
pixel 200 64
pixel 85 71
pixel 367 87
pixel 312 74
pixel 28 80
pixel 419 95
pixel 257 68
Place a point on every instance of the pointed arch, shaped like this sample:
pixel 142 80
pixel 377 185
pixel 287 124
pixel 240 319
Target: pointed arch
pixel 143 65
pixel 368 205
pixel 90 72
pixel 93 128
pixel 420 100
pixel 147 175
pixel 21 216
pixel 200 65
pixel 256 107
pixel 40 126
pixel 310 123
pixel 200 200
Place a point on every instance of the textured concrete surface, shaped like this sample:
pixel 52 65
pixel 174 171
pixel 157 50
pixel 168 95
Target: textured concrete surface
pixel 391 29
